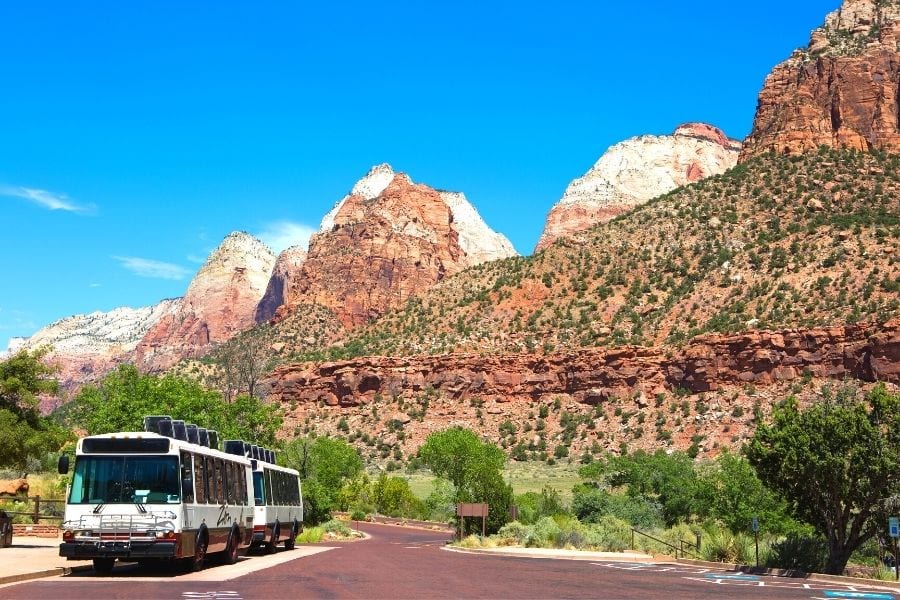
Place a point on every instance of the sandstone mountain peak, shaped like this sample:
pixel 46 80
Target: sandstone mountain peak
pixel 369 187
pixel 220 302
pixel 388 240
pixel 843 90
pixel 634 171
pixel 88 345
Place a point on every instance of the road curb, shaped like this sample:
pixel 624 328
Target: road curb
pixel 20 577
pixel 792 573
pixel 548 555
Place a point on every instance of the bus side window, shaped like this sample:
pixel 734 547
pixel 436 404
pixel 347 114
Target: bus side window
pixel 220 484
pixel 267 479
pixel 187 477
pixel 231 471
pixel 200 479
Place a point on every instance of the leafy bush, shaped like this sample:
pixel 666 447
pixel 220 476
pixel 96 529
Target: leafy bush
pixel 311 535
pixel 336 526
pixel 608 534
pixel 722 545
pixel 589 505
pixel 512 534
pixel 803 552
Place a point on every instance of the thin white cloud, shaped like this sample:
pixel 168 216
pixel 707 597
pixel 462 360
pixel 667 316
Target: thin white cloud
pixel 94 285
pixel 196 259
pixel 49 200
pixel 154 269
pixel 283 234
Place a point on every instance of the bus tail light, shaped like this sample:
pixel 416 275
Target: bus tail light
pixel 68 535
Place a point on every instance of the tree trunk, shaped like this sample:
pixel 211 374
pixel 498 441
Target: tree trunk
pixel 838 555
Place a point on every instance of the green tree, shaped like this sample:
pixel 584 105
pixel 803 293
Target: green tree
pixel 26 436
pixel 730 491
pixel 473 467
pixel 325 465
pixel 667 479
pixel 836 463
pixel 120 401
pixel 394 497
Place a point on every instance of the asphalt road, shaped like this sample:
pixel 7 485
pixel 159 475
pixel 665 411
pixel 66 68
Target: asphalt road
pixel 404 563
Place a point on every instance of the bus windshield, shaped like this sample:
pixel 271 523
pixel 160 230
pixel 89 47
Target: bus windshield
pixel 125 480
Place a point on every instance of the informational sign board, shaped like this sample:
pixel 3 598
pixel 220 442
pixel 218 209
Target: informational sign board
pixel 894 526
pixel 472 510
pixel 754 524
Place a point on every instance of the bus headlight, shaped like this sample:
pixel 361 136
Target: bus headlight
pixel 167 534
pixel 68 535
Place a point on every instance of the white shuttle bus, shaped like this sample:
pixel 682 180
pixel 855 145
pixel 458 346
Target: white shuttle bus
pixel 277 498
pixel 163 494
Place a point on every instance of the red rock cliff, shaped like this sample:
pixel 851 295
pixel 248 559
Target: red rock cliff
pixel 841 91
pixel 866 352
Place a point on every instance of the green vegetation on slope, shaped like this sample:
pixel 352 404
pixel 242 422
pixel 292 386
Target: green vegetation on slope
pixel 775 242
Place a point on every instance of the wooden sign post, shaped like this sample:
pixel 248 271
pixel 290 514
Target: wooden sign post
pixel 464 510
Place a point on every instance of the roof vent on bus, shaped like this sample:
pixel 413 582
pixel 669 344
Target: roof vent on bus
pixel 193 434
pixel 270 456
pixel 248 450
pixel 203 436
pixel 213 439
pixel 255 452
pixel 180 431
pixel 151 423
pixel 164 427
pixel 274 457
pixel 235 447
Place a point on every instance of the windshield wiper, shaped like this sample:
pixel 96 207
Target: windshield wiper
pixel 98 508
pixel 140 507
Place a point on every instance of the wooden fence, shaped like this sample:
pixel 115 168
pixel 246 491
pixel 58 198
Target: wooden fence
pixel 36 515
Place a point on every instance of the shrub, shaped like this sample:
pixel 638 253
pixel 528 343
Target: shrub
pixel 543 534
pixel 512 534
pixel 608 534
pixel 311 535
pixel 804 552
pixel 337 527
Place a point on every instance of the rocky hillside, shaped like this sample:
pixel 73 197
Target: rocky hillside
pixel 387 241
pixel 704 396
pixel 777 242
pixel 842 90
pixel 220 302
pixel 632 172
pixel 87 346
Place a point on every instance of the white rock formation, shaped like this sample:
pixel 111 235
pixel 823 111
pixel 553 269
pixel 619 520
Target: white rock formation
pixel 634 171
pixel 478 241
pixel 220 302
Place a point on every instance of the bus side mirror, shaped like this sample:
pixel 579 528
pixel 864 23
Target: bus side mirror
pixel 63 465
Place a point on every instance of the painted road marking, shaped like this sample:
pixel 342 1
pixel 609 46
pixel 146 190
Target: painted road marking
pixel 227 595
pixel 863 595
pixel 732 577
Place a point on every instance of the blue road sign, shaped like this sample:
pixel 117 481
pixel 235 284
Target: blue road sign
pixel 894 526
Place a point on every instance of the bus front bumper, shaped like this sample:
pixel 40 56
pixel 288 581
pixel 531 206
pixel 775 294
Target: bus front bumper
pixel 122 550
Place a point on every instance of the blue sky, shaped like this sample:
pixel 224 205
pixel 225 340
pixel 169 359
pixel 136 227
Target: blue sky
pixel 137 135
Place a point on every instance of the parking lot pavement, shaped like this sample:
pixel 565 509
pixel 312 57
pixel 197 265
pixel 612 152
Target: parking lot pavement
pixel 33 557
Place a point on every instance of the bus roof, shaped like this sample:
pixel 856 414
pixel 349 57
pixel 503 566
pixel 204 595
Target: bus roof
pixel 175 445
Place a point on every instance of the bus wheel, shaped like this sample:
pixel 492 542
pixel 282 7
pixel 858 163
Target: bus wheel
pixel 291 541
pixel 231 551
pixel 104 565
pixel 197 561
pixel 272 546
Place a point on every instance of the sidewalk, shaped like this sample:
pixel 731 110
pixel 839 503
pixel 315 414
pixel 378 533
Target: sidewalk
pixel 33 558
